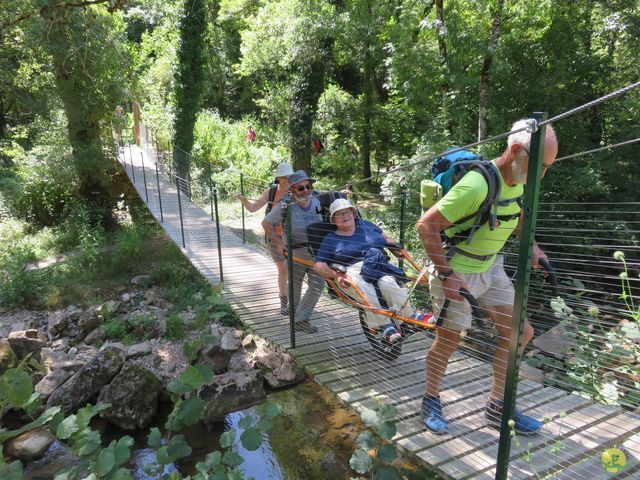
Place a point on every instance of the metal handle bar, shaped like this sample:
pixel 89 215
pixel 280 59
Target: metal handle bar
pixel 476 311
pixel 552 277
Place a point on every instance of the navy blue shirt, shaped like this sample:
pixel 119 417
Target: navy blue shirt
pixel 347 250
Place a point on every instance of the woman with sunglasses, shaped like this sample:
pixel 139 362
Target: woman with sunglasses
pixel 305 211
pixel 270 197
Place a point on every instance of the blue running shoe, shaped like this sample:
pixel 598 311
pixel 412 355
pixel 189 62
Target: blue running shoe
pixel 524 424
pixel 432 415
pixel 390 333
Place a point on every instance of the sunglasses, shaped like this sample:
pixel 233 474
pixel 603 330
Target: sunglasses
pixel 302 188
pixel 544 166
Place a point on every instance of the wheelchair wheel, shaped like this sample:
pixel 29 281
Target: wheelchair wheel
pixel 388 351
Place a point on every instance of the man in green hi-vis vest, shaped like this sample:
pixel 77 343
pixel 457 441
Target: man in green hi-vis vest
pixel 476 264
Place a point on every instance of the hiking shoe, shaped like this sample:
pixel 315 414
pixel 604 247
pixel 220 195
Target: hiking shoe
pixel 390 333
pixel 432 415
pixel 426 318
pixel 284 306
pixel 524 424
pixel 305 326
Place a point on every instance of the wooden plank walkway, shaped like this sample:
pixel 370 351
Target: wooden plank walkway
pixel 338 357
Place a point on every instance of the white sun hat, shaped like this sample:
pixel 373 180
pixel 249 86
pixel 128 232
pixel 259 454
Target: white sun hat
pixel 340 204
pixel 284 170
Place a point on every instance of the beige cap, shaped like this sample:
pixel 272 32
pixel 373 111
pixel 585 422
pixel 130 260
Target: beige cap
pixel 340 204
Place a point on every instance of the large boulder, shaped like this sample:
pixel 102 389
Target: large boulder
pixel 23 345
pixel 133 395
pixel 8 358
pixel 216 357
pixel 30 445
pixel 51 382
pixel 87 382
pixel 230 392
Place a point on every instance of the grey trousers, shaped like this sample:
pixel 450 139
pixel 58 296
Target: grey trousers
pixel 304 308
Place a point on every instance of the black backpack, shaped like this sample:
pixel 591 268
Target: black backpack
pixel 272 196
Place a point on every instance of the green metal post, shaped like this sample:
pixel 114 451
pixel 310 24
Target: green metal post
pixel 184 245
pixel 210 191
pixel 527 232
pixel 215 203
pixel 244 233
pixel 159 195
pixel 292 306
pixel 403 204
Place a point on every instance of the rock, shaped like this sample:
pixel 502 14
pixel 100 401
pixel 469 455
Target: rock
pixel 90 320
pixel 24 346
pixel 248 342
pixel 8 358
pixel 187 317
pixel 139 350
pixel 553 342
pixel 110 307
pixel 94 336
pixel 87 381
pixel 57 322
pixel 141 280
pixel 73 313
pixel 30 445
pixel 72 331
pixel 55 458
pixel 230 392
pixel 60 344
pixel 240 362
pixel 69 366
pixel 216 357
pixel 31 333
pixel 53 380
pixel 133 395
pixel 279 369
pixel 49 357
pixel 231 339
pixel 73 351
pixel 126 297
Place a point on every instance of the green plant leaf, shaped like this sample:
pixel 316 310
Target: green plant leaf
pixel 271 410
pixel 231 458
pixel 206 371
pixel 251 439
pixel 209 339
pixel 211 460
pixel 122 450
pixel 162 455
pixel 387 453
pixel 245 422
pixel 19 387
pixel 387 430
pixel 218 315
pixel 365 441
pixel 219 476
pixel 85 414
pixel 192 377
pixel 360 461
pixel 191 349
pixel 369 417
pixel 178 448
pixel 67 427
pixel 235 474
pixel 387 473
pixel 46 416
pixel 177 387
pixel 106 461
pixel 387 413
pixel 266 425
pixel 190 410
pixel 227 438
pixel 33 403
pixel 11 471
pixel 88 444
pixel 154 440
pixel 121 474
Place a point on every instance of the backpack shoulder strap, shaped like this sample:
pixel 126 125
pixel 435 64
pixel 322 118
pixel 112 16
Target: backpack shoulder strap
pixel 272 196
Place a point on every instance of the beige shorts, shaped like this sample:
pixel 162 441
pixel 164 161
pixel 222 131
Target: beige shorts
pixel 276 254
pixel 491 288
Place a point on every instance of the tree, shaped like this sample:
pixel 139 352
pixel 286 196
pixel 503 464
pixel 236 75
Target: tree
pixel 189 81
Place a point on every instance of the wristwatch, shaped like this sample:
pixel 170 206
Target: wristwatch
pixel 442 276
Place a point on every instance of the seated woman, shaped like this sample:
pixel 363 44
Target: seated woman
pixel 351 242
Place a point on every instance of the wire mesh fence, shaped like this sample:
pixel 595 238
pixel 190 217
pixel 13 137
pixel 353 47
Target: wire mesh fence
pixel 367 342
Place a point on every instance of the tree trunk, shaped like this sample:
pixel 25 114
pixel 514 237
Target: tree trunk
pixel 483 100
pixel 307 90
pixel 444 70
pixel 367 112
pixel 189 84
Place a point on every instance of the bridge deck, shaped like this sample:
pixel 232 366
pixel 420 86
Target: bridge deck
pixel 338 357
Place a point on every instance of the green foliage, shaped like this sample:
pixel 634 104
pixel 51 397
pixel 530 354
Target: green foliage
pixel 175 327
pixel 374 457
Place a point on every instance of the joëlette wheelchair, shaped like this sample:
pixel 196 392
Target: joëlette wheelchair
pixel 356 298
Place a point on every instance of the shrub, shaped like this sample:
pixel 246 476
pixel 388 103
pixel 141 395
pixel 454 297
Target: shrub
pixel 175 328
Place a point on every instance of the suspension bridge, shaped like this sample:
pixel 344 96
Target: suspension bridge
pixel 571 444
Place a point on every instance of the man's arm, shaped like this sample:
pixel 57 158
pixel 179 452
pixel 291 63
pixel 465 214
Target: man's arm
pixel 429 227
